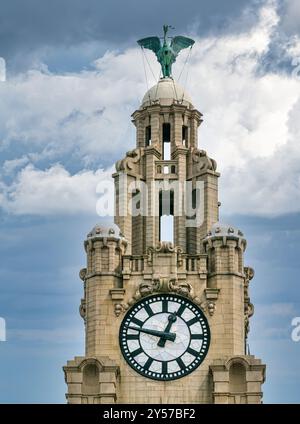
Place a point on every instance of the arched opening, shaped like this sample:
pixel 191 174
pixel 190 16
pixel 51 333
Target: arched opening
pixel 138 212
pixel 237 378
pixel 90 380
pixel 148 136
pixel 166 139
pixel 166 215
pixel 185 135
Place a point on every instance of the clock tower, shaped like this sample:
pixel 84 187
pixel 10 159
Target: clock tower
pixel 165 302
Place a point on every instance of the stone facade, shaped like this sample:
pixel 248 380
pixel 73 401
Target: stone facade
pixel 128 260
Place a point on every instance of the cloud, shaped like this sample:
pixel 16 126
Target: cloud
pixel 291 16
pixel 9 166
pixel 2 70
pixel 82 120
pixel 46 116
pixel 273 321
pixel 32 31
pixel 52 192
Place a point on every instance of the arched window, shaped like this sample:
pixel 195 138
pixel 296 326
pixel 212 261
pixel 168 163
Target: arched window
pixel 166 215
pixel 166 139
pixel 185 135
pixel 148 136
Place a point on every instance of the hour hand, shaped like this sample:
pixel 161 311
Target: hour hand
pixel 165 334
pixel 171 319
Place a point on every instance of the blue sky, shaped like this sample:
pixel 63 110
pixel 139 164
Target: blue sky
pixel 74 76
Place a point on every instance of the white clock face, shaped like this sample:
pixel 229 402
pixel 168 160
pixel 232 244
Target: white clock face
pixel 164 337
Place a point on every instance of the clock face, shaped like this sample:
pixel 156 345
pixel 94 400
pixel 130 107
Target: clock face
pixel 164 337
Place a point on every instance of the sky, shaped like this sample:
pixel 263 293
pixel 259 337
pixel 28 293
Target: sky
pixel 74 74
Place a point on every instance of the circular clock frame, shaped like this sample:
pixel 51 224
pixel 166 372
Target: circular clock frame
pixel 185 308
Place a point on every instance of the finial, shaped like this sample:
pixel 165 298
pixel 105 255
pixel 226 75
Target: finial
pixel 167 52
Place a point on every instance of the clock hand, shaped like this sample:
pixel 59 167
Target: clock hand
pixel 162 341
pixel 165 334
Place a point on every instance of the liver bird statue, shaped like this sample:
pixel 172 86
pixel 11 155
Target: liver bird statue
pixel 166 53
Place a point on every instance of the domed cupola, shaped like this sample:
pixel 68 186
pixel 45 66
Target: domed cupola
pixel 165 93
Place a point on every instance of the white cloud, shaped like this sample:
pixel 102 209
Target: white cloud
pixel 53 191
pixel 49 115
pixel 2 70
pixel 251 123
pixel 9 166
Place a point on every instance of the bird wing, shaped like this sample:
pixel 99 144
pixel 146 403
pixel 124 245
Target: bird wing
pixel 178 43
pixel 151 43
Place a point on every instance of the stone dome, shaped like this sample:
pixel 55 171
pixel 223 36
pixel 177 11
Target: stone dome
pixel 105 230
pixel 224 230
pixel 166 92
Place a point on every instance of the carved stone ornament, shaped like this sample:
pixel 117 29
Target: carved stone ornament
pixel 165 247
pixel 118 309
pixel 82 274
pixel 201 162
pixel 82 309
pixel 161 285
pixel 130 162
pixel 248 306
pixel 210 297
pixel 183 288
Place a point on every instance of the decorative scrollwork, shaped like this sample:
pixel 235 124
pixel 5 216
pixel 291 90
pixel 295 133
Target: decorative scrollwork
pixel 183 288
pixel 160 285
pixel 82 274
pixel 248 306
pixel 82 309
pixel 165 247
pixel 130 162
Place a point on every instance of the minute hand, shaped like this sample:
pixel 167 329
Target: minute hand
pixel 162 341
pixel 164 334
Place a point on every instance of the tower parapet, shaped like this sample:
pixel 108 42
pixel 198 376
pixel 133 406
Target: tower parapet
pixel 225 247
pixel 104 246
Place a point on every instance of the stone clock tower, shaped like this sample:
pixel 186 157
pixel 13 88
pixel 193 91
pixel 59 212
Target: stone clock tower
pixel 166 304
